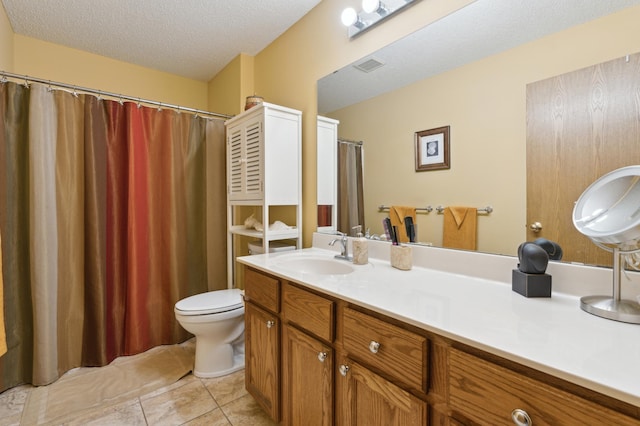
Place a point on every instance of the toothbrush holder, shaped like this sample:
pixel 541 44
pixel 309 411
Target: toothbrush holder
pixel 401 257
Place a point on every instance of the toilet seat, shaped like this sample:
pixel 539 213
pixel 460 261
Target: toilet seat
pixel 212 302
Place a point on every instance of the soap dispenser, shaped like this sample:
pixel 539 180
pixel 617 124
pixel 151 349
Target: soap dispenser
pixel 360 248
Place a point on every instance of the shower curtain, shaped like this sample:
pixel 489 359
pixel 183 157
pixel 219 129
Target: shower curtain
pixel 350 186
pixel 105 209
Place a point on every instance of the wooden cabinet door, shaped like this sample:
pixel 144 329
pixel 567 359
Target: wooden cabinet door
pixel 368 399
pixel 307 380
pixel 262 358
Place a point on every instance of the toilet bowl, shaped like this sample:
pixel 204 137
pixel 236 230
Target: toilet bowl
pixel 216 318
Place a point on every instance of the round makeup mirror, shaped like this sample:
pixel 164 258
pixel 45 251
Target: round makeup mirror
pixel 608 212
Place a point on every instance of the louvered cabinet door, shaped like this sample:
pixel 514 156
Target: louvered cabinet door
pixel 235 167
pixel 254 141
pixel 245 160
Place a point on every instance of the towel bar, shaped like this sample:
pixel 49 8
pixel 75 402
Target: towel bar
pixel 486 210
pixel 427 209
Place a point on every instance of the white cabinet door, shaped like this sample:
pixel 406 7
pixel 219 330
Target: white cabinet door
pixel 327 173
pixel 244 160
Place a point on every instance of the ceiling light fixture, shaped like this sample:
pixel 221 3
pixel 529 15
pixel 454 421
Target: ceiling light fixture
pixel 351 18
pixel 373 12
pixel 374 6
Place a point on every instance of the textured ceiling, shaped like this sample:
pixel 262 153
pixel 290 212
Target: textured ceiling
pixel 191 38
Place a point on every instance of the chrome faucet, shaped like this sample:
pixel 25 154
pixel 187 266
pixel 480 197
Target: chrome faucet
pixel 344 253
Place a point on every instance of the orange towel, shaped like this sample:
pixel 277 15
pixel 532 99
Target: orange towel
pixel 460 228
pixel 397 215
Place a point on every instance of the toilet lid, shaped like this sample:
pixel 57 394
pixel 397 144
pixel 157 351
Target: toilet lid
pixel 211 302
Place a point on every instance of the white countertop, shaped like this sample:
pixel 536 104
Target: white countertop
pixel 552 335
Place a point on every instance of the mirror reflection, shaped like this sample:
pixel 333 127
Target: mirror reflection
pixel 473 79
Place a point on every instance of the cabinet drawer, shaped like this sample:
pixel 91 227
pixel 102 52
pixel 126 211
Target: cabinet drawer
pixel 309 311
pixel 262 289
pixel 487 393
pixel 400 353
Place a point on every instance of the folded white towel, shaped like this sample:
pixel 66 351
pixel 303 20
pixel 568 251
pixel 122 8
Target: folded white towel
pixel 252 223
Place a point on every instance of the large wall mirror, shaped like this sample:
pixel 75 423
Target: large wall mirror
pixel 470 71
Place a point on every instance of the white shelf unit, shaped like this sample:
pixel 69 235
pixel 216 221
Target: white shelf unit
pixel 264 169
pixel 327 173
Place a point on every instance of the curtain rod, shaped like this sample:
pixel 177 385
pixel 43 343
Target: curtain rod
pixel 347 141
pixel 27 79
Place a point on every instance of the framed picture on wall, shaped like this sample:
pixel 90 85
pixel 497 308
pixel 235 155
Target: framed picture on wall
pixel 432 149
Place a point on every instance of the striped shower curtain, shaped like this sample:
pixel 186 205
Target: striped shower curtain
pixel 105 213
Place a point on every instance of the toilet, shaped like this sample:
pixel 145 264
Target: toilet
pixel 216 318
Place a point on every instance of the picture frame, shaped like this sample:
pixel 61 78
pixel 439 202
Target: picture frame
pixel 432 149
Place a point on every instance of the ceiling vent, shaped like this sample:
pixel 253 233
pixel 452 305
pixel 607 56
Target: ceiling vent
pixel 369 65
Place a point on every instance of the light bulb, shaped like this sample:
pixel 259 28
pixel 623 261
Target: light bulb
pixel 349 17
pixel 370 6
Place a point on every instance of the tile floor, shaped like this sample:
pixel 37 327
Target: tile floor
pixel 191 401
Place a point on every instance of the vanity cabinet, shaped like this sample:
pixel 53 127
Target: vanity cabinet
pixel 371 385
pixel 307 379
pixel 264 169
pixel 365 398
pixel 307 357
pixel 341 363
pixel 384 363
pixel 290 377
pixel 485 393
pixel 262 340
pixel 385 347
pixel 262 358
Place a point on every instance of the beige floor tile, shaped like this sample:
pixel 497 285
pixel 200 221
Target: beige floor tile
pixel 185 380
pixel 212 418
pixel 245 411
pixel 127 413
pixel 226 389
pixel 191 401
pixel 178 405
pixel 12 403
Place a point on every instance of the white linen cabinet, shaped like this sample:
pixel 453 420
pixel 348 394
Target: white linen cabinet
pixel 264 169
pixel 327 174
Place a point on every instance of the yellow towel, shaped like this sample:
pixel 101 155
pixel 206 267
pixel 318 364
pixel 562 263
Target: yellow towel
pixel 460 228
pixel 3 336
pixel 397 215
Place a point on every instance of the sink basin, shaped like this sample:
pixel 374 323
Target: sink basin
pixel 317 266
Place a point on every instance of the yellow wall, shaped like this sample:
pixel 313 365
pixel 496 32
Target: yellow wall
pixel 287 70
pixel 485 105
pixel 230 87
pixel 483 102
pixel 58 63
pixel 6 42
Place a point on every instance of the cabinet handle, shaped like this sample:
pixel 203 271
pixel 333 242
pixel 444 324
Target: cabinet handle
pixel 344 369
pixel 322 356
pixel 374 346
pixel 521 418
pixel 270 323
